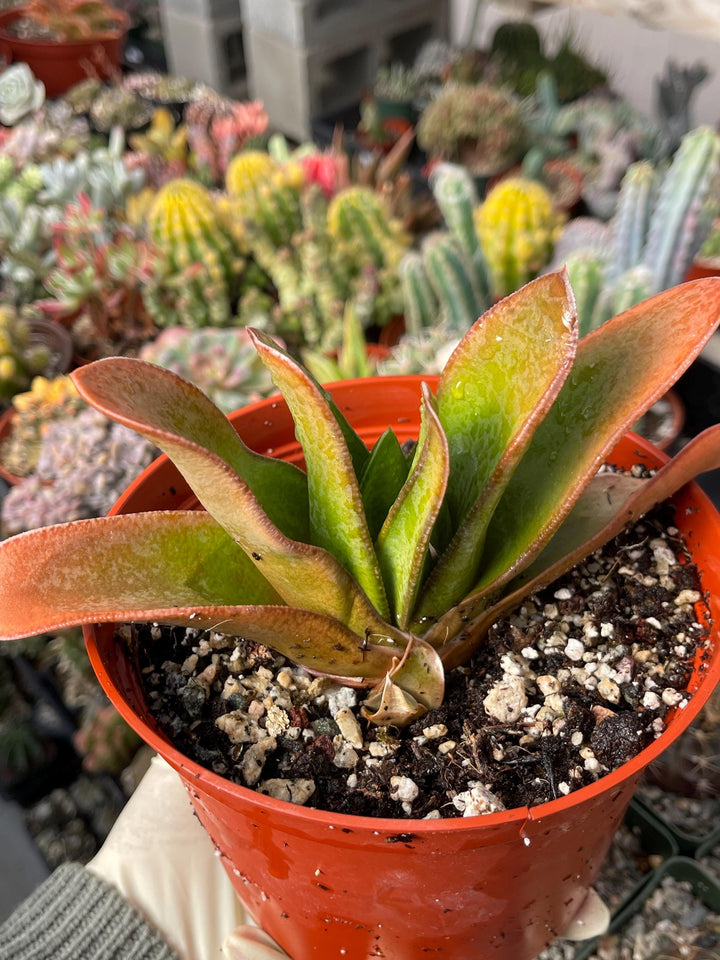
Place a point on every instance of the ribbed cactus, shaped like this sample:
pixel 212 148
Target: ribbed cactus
pixel 455 195
pixel 359 216
pixel 659 225
pixel 204 261
pixel 517 226
pixel 264 195
pixel 685 208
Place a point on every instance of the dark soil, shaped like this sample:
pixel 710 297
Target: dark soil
pixel 570 686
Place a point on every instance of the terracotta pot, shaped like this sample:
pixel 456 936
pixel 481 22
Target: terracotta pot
pixel 703 267
pixel 61 64
pixel 332 886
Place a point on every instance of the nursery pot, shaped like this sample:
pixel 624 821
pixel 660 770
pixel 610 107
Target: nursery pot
pixel 334 886
pixel 60 64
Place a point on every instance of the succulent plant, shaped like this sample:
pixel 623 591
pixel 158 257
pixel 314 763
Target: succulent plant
pixel 46 400
pixel 21 357
pixel 299 561
pixel 426 351
pixel 265 195
pixel 20 93
pixel 222 362
pixel 346 251
pixel 203 263
pixel 101 269
pixel 51 132
pixel 659 226
pixel 164 138
pixel 518 226
pixel 478 126
pixel 119 107
pixel 74 19
pixel 84 463
pixel 217 129
pixel 105 742
pixel 395 82
pixel 163 88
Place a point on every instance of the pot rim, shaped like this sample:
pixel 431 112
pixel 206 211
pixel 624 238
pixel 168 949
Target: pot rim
pixel 9 16
pixel 611 783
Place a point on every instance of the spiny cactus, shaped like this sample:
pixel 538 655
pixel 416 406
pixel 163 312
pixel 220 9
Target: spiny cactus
pixel 201 276
pixel 517 226
pixel 658 229
pixel 84 463
pixel 426 351
pixel 479 126
pixel 222 362
pixel 105 742
pixel 45 401
pixel 265 196
pixel 217 129
pixel 359 217
pixel 21 357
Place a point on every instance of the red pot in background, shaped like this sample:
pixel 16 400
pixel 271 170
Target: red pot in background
pixel 332 886
pixel 61 64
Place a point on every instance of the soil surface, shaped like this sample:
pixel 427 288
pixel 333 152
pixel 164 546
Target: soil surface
pixel 570 686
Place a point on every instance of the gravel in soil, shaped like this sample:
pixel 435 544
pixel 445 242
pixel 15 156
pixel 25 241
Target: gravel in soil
pixel 567 688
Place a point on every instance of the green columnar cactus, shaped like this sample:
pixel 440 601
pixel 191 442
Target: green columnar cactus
pixel 265 195
pixel 659 227
pixel 450 277
pixel 421 304
pixel 517 226
pixel 632 216
pixel 455 195
pixel 684 210
pixel 586 272
pixel 334 566
pixel 204 264
pixel 359 218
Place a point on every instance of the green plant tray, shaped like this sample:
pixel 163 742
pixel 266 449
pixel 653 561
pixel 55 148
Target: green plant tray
pixel 703 885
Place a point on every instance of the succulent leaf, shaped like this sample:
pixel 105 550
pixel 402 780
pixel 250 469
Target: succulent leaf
pixel 178 416
pixel 403 540
pixel 490 417
pixel 337 516
pixel 193 561
pixel 609 503
pixel 382 480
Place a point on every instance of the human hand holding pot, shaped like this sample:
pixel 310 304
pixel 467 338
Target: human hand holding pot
pixel 162 861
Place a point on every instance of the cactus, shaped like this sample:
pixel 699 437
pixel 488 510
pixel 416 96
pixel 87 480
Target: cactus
pixel 21 356
pixel 217 129
pixel 656 233
pixel 203 261
pixel 479 126
pixel 586 272
pixel 685 208
pixel 84 463
pixel 358 216
pixel 517 226
pixel 223 363
pixel 265 195
pixel 456 197
pixel 426 351
pixel 45 401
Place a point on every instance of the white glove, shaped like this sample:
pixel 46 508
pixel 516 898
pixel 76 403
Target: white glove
pixel 161 860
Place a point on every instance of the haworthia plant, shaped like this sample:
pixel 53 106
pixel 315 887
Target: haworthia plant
pixel 380 568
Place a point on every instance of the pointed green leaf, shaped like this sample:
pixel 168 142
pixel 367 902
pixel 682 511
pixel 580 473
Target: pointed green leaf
pixel 403 540
pixel 303 575
pixel 384 474
pixel 112 567
pixel 608 504
pixel 337 517
pixel 164 407
pixel 620 370
pixel 494 391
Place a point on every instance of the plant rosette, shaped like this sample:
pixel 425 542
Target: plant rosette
pixel 332 885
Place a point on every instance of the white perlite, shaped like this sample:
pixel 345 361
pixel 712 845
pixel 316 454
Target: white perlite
pixel 506 699
pixel 477 800
pixel 295 791
pixel 349 727
pixel 403 789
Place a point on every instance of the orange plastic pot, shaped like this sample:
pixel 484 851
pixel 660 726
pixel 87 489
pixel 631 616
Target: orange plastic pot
pixel 337 886
pixel 61 64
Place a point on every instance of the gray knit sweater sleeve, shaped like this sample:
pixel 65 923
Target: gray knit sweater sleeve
pixel 74 915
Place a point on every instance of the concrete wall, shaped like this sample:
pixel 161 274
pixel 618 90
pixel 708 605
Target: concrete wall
pixel 632 53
